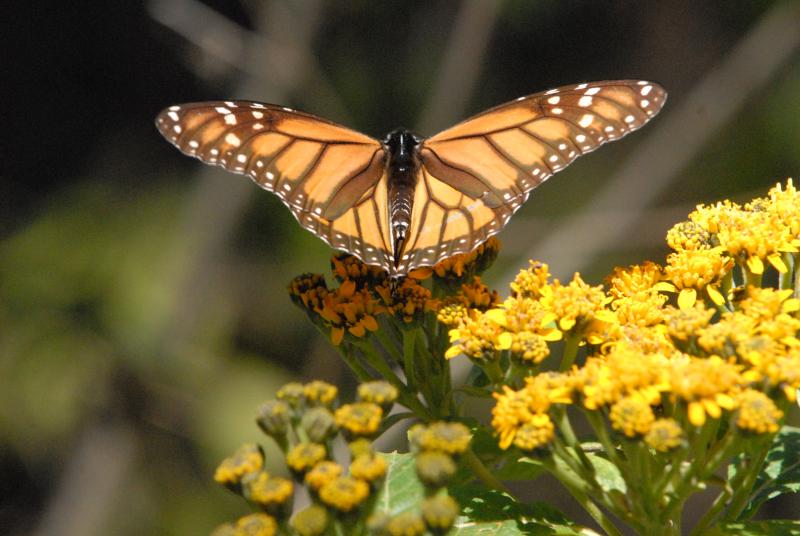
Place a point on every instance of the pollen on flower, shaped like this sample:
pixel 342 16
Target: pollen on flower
pixel 576 303
pixel 408 302
pixel 635 279
pixel 368 467
pixel 683 324
pixel 689 235
pixel 536 433
pixel 449 437
pixel 268 490
pixel 707 385
pixel 256 525
pixel 319 392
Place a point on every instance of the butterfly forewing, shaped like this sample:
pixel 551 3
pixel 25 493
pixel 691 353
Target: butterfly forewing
pixel 331 177
pixel 497 157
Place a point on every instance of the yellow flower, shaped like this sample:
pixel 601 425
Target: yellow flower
pixel 768 303
pixel 536 433
pixel 406 523
pixel 694 270
pixel 256 525
pixel 707 385
pixel 452 312
pixel 311 521
pixel 576 304
pixel 268 490
pixel 624 371
pixel 345 266
pixel 642 309
pixel 293 393
pixel 633 280
pixel 521 315
pixel 322 473
pixel 455 270
pixel 434 469
pixel 689 235
pixel 476 295
pixel 349 310
pixel 368 467
pixel 381 393
pixel 304 456
pixel 439 513
pixel 307 291
pixel 632 416
pixel 664 435
pixel 246 460
pixel 722 337
pixel 529 348
pixel 408 302
pixel 757 413
pixel 531 283
pixel 344 493
pixel 360 418
pixel 479 338
pixel 783 204
pixel 449 437
pixel 684 324
pixel 319 392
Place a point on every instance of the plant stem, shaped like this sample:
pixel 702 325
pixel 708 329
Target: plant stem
pixel 570 351
pixel 408 359
pixel 483 474
pixel 575 486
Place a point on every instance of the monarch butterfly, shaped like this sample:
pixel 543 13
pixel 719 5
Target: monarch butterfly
pixel 407 201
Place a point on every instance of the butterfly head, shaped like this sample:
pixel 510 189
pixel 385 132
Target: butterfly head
pixel 401 145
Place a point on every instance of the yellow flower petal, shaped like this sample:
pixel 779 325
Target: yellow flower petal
pixel 498 316
pixel 566 324
pixel 665 286
pixel 755 265
pixel 370 323
pixel 336 336
pixel 712 408
pixel 687 298
pixel 548 318
pixel 697 414
pixel 552 335
pixel 605 315
pixel 715 295
pixel 454 334
pixel 725 401
pixel 453 351
pixel 776 261
pixel 504 341
pixel 792 305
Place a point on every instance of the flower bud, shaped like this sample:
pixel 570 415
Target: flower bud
pixel 318 424
pixel 311 521
pixel 435 469
pixel 274 417
pixel 439 513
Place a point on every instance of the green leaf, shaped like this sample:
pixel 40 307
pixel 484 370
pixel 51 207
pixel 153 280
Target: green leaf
pixel 780 473
pixel 491 512
pixel 757 528
pixel 607 474
pixel 401 490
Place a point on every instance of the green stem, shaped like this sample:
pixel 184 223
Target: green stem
pixel 352 361
pixel 389 345
pixel 571 342
pixel 406 397
pixel 741 494
pixel 408 359
pixel 785 279
pixel 795 259
pixel 483 474
pixel 577 488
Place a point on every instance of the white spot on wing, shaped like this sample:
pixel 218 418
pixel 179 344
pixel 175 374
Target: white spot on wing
pixel 592 91
pixel 557 111
pixel 629 118
pixel 585 101
pixel 222 110
pixel 230 119
pixel 646 90
pixel 586 120
pixel 233 139
pixel 554 100
pixel 580 138
pixel 241 158
pixel 172 115
pixel 257 114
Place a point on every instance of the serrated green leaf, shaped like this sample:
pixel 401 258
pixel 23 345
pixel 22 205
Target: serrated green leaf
pixel 780 473
pixel 401 489
pixel 608 476
pixel 757 528
pixel 490 512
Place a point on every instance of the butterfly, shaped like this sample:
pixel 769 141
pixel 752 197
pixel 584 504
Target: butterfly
pixel 407 201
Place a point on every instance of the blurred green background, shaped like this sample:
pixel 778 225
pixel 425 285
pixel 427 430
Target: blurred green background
pixel 143 312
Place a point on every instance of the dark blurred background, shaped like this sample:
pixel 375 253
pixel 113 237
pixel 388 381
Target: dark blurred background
pixel 143 312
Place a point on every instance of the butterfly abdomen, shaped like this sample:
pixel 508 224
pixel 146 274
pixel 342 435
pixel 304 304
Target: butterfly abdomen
pixel 402 165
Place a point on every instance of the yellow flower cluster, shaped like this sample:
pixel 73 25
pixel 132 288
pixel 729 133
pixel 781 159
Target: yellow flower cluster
pixel 725 348
pixel 305 423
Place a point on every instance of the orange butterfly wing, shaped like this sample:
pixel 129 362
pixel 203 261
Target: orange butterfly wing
pixel 475 175
pixel 331 178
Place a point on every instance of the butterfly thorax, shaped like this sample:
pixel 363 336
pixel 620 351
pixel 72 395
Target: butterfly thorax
pixel 402 165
